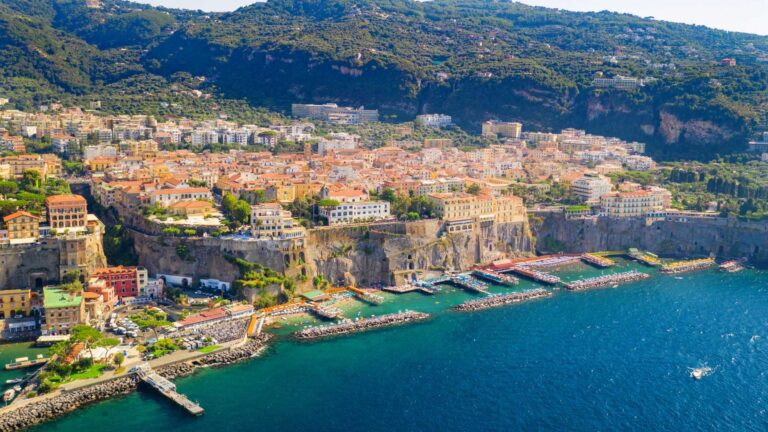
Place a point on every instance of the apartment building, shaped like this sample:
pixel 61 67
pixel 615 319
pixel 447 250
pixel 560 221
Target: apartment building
pixel 67 212
pixel 630 204
pixel 62 310
pixel 434 120
pixel 165 197
pixel 14 302
pixel 494 129
pixel 270 221
pixel 22 227
pixel 590 188
pixel 357 211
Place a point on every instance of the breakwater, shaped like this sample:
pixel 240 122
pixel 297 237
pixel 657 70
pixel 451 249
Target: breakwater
pixel 360 325
pixel 606 280
pixel 33 413
pixel 501 300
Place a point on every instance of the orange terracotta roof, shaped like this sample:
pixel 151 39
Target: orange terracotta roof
pixel 17 214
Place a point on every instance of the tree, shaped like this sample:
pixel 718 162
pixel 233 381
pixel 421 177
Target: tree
pixel 241 212
pixel 118 359
pixel 71 276
pixel 87 335
pixel 31 180
pixel 473 189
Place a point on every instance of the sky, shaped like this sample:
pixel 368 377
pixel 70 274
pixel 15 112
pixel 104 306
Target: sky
pixel 750 16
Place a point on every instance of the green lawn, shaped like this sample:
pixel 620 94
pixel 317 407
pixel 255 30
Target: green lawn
pixel 208 349
pixel 92 372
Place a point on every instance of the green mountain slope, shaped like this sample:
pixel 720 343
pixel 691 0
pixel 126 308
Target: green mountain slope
pixel 473 59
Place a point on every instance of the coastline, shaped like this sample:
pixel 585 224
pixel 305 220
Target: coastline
pixel 63 402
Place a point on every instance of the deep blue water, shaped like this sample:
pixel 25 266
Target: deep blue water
pixel 606 359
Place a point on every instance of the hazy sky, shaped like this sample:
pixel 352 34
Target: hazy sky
pixel 740 15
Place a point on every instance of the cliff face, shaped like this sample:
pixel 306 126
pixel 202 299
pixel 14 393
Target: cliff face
pixel 726 238
pixel 381 254
pixel 43 263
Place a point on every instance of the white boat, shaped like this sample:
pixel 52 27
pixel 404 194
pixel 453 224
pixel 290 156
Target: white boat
pixel 14 381
pixel 699 373
pixel 8 395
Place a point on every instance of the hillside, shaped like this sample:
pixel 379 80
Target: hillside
pixel 473 59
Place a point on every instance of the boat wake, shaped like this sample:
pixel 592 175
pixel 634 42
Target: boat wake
pixel 700 372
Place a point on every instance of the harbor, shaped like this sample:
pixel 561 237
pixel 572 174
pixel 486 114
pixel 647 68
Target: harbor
pixel 409 288
pixel 502 300
pixel 535 275
pixel 687 266
pixel 360 325
pixel 25 362
pixel 606 280
pixel 646 258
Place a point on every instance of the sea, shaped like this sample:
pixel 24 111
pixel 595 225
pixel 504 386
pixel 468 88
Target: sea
pixel 610 359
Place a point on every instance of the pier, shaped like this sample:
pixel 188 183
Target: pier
pixel 403 289
pixel 597 260
pixel 167 389
pixel 466 282
pixel 606 280
pixel 646 258
pixel 536 275
pixel 324 312
pixel 363 324
pixel 687 266
pixel 366 296
pixel 502 300
pixel 494 277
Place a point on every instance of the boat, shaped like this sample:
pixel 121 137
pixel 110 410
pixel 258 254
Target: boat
pixel 25 362
pixel 731 266
pixel 700 372
pixel 14 381
pixel 9 395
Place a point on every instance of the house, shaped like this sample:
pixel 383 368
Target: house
pixel 22 227
pixel 14 302
pixel 191 208
pixel 166 197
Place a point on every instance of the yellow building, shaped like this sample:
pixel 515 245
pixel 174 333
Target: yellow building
pixel 191 208
pixel 304 189
pixel 461 206
pixel 14 302
pixel 281 192
pixel 62 310
pixel 22 226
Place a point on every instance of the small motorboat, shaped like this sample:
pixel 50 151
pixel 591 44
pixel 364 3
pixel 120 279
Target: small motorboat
pixel 700 372
pixel 14 381
pixel 9 395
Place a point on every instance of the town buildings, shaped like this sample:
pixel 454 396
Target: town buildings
pixel 22 227
pixel 494 129
pixel 125 281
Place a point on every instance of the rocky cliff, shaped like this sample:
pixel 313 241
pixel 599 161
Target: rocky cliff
pixel 361 255
pixel 675 237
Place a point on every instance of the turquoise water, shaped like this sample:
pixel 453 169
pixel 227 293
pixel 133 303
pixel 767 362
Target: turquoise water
pixel 9 353
pixel 607 359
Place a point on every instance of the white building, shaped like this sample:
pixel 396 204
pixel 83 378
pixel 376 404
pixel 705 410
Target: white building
pixel 434 120
pixel 351 212
pixel 166 197
pixel 99 151
pixel 270 221
pixel 591 188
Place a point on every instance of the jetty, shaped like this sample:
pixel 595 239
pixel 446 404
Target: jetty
pixel 646 258
pixel 597 260
pixel 494 277
pixel 166 388
pixel 408 288
pixel 687 266
pixel 468 283
pixel 606 280
pixel 367 296
pixel 359 325
pixel 325 312
pixel 25 362
pixel 536 275
pixel 502 300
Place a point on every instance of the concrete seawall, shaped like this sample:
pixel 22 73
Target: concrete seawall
pixel 48 407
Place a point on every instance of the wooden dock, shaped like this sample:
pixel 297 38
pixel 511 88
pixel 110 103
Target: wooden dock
pixel 167 389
